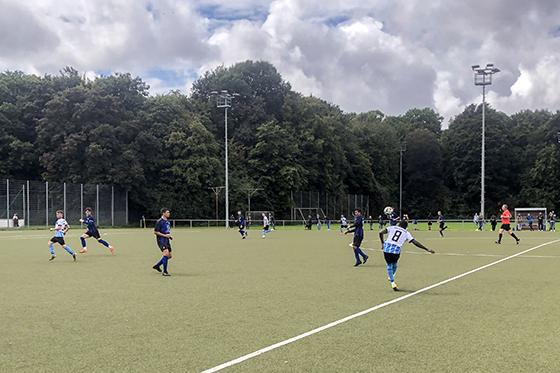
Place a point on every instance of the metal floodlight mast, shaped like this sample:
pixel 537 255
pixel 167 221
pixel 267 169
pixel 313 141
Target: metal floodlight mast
pixel 401 151
pixel 223 100
pixel 483 77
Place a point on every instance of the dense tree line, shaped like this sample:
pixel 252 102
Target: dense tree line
pixel 168 149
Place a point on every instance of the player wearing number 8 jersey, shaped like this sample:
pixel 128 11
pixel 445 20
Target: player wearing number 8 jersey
pixel 397 236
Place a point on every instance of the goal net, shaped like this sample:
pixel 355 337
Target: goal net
pixel 307 213
pixel 528 218
pixel 255 218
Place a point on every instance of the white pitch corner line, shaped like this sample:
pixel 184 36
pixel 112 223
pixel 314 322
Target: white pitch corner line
pixel 251 355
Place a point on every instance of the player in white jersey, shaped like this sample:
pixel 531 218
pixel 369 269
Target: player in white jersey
pixel 343 223
pixel 397 236
pixel 60 229
pixel 266 225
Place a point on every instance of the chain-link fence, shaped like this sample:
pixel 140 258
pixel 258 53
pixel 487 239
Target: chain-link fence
pixel 328 204
pixel 34 203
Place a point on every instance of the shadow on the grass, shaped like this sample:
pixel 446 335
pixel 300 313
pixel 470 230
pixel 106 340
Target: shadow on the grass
pixel 189 274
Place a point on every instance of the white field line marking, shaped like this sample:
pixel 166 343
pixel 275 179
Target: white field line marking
pixel 365 312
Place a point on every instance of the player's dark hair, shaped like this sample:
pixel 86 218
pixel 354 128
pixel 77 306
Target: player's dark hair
pixel 89 209
pixel 164 210
pixel 403 224
pixel 360 211
pixel 60 211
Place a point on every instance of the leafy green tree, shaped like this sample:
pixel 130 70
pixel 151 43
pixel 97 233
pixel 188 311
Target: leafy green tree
pixel 424 191
pixel 462 152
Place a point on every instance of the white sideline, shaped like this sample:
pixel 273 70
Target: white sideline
pixel 243 358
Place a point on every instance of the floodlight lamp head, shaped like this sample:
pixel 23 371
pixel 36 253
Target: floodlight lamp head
pixel 474 67
pixel 224 91
pixel 213 93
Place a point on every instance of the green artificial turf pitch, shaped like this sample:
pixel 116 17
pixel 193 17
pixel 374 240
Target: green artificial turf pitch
pixel 228 297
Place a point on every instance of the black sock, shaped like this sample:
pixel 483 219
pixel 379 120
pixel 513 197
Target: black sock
pixel 441 232
pixel 499 238
pixel 514 236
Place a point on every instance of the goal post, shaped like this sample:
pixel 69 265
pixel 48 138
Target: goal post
pixel 255 218
pixel 304 213
pixel 527 217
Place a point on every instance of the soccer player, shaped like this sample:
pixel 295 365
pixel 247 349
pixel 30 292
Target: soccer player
pixel 308 223
pixel 343 223
pixel 493 222
pixel 241 224
pixel 381 222
pixel 162 231
pixel 506 217
pixel 476 221
pixel 552 221
pixel 358 229
pixel 266 225
pixel 396 238
pixel 92 231
pixel 530 221
pixel 441 221
pixel 60 229
pixel 540 222
pixel 393 218
pixel 430 222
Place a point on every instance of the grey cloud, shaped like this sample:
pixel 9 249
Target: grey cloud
pixel 360 54
pixel 23 34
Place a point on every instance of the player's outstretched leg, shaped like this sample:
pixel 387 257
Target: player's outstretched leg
pixel 363 255
pixel 70 251
pixel 515 237
pixel 106 244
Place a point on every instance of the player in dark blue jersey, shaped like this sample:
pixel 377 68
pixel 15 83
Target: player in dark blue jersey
pixel 441 221
pixel 92 231
pixel 242 224
pixel 393 218
pixel 358 229
pixel 162 231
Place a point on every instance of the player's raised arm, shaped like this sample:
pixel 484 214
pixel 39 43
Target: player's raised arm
pixel 381 234
pixel 418 244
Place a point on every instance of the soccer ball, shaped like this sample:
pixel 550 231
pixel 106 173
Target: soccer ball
pixel 388 210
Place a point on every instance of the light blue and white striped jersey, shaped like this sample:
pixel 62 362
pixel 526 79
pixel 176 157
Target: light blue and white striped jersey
pixel 59 227
pixel 396 238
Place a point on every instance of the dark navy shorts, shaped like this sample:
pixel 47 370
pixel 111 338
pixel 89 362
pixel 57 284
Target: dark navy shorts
pixel 95 234
pixel 164 245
